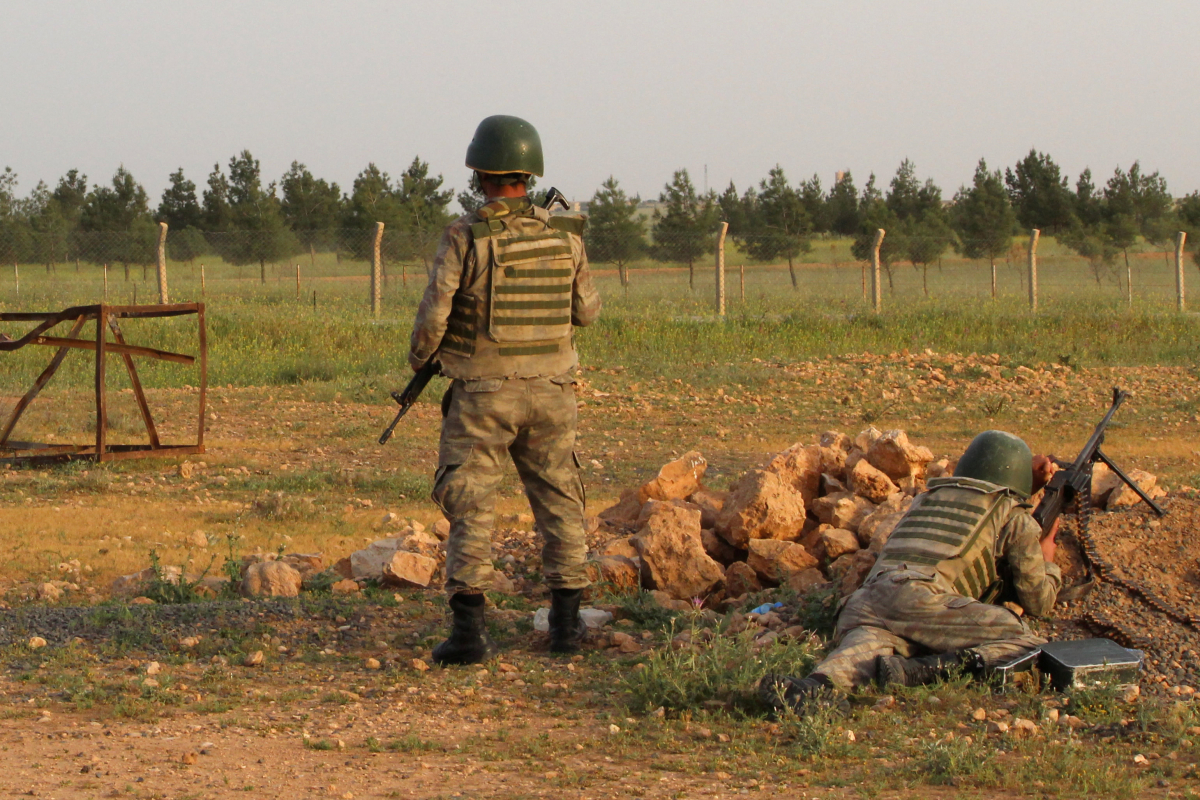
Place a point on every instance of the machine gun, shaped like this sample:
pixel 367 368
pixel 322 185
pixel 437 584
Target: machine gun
pixel 1073 482
pixel 412 391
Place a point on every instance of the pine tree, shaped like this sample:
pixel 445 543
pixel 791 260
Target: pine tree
pixel 842 206
pixel 1039 193
pixel 614 233
pixel 180 209
pixel 985 218
pixel 255 214
pixel 421 203
pixel 779 224
pixel 122 211
pixel 311 206
pixel 683 227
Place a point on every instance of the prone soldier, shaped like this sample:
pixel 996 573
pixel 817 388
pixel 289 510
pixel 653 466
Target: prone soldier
pixel 925 608
pixel 507 284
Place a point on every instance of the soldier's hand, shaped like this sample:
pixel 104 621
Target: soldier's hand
pixel 1049 545
pixel 1043 470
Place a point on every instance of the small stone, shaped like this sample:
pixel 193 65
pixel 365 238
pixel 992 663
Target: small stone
pixel 49 592
pixel 153 668
pixel 614 729
pixel 254 659
pixel 372 663
pixel 504 667
pixel 35 642
pixel 676 480
pixel 1051 715
pixel 979 715
pixel 887 701
pixel 1141 759
pixel 188 642
pixel 271 579
pixel 1024 727
pixel 346 586
pixel 408 570
pixel 998 726
pixel 198 539
pixel 441 529
pixel 150 683
pixel 723 738
pixel 419 665
pixel 1075 723
pixel 625 643
pixel 1130 692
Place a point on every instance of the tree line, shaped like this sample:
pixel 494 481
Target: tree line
pixel 244 220
pixel 777 220
pixel 235 216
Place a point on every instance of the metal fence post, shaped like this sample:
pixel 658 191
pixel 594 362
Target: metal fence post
pixel 722 229
pixel 376 269
pixel 876 289
pixel 1180 240
pixel 162 263
pixel 1034 233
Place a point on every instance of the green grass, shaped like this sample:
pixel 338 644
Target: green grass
pixel 261 335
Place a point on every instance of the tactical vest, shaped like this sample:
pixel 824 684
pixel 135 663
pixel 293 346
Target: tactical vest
pixel 951 534
pixel 511 317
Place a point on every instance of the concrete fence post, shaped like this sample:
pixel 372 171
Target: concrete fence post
pixel 376 269
pixel 1180 241
pixel 1034 234
pixel 876 288
pixel 162 263
pixel 722 229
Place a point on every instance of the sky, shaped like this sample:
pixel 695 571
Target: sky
pixel 635 90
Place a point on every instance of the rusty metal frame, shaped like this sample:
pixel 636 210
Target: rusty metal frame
pixel 105 317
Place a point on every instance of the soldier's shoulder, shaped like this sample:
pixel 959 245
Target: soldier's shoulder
pixel 460 228
pixel 571 223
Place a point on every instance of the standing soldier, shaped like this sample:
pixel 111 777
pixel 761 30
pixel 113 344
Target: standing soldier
pixel 508 283
pixel 963 543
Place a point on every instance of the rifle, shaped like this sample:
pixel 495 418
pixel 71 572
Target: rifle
pixel 412 391
pixel 408 397
pixel 1074 482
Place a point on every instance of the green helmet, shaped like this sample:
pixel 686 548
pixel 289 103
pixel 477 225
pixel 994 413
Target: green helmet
pixel 505 144
pixel 1000 458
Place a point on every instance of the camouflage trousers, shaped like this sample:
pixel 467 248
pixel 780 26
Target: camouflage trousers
pixel 531 420
pixel 896 614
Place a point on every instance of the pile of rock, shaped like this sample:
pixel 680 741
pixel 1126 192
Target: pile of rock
pixel 411 558
pixel 813 517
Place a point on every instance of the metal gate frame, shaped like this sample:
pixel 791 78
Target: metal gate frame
pixel 105 317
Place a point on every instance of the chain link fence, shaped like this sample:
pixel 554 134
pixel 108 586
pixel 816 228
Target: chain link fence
pixel 765 271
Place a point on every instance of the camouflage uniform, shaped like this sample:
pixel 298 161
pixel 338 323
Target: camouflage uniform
pixel 508 283
pixel 929 589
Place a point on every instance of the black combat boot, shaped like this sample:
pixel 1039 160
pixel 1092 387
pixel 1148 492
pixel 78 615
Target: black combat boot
pixel 781 692
pixel 469 642
pixel 566 627
pixel 900 671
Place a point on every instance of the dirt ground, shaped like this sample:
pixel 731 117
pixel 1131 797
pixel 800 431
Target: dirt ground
pixel 315 720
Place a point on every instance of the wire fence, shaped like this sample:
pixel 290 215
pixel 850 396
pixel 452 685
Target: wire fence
pixel 764 270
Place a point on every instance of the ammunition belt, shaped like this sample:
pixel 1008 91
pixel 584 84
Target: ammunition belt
pixel 1108 573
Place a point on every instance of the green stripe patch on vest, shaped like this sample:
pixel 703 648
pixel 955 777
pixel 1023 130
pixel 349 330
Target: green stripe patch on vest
pixel 530 350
